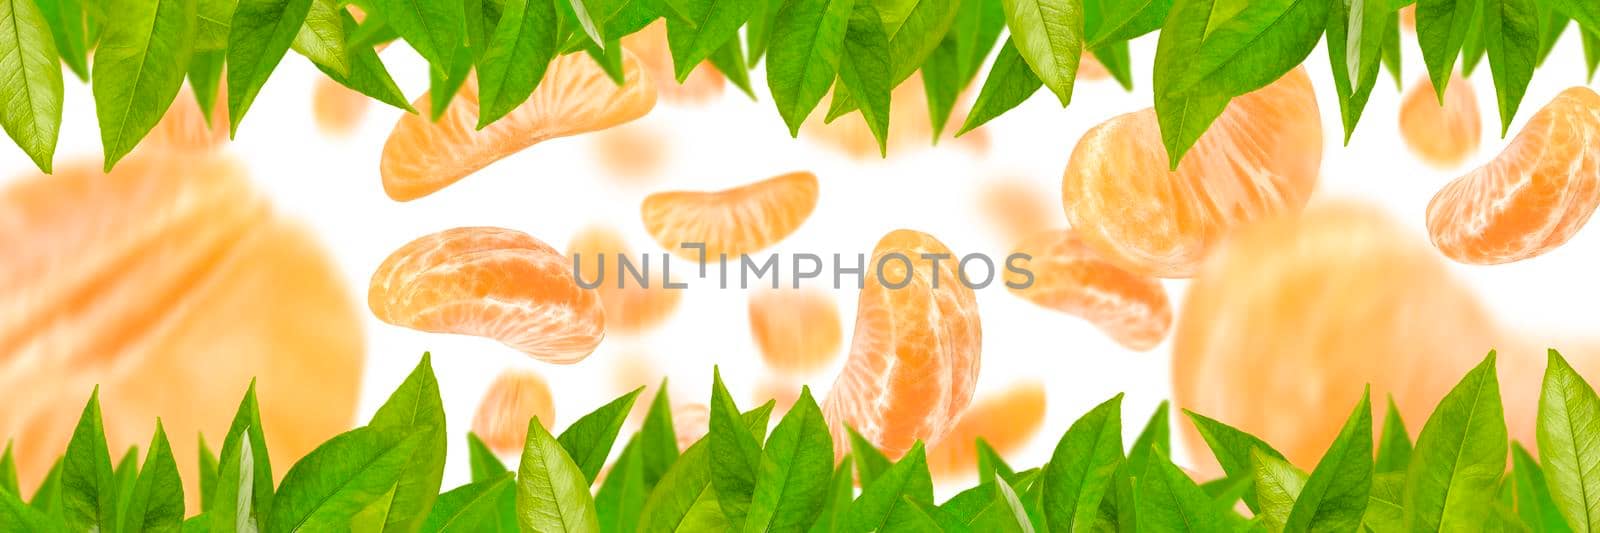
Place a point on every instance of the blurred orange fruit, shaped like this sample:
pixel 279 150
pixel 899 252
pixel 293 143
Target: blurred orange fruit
pixel 337 109
pixel 797 330
pixel 915 353
pixel 514 397
pixel 490 282
pixel 635 152
pixel 1442 136
pixel 690 421
pixel 909 126
pixel 1071 278
pixel 1534 196
pixel 1408 17
pixel 1018 208
pixel 171 283
pixel 1007 421
pixel 575 97
pixel 1261 157
pixel 630 307
pixel 704 84
pixel 184 129
pixel 736 221
pixel 781 390
pixel 1090 68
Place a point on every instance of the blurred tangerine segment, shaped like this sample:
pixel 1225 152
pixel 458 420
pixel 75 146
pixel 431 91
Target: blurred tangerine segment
pixel 1444 135
pixel 1281 331
pixel 337 109
pixel 630 306
pixel 1071 278
pixel 1091 69
pixel 909 126
pixel 634 151
pixel 513 398
pixel 170 283
pixel 1007 421
pixel 1534 196
pixel 1261 157
pixel 490 282
pixel 741 220
pixel 704 84
pixel 781 390
pixel 797 330
pixel 915 353
pixel 184 128
pixel 690 421
pixel 1018 208
pixel 575 97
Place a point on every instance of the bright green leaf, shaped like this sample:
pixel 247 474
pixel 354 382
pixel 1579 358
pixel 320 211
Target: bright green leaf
pixel 621 497
pixel 942 84
pixel 870 463
pixel 435 29
pixel 1232 449
pixel 124 478
pixel 15 514
pixel 735 454
pixel 729 60
pixel 1121 20
pixel 990 464
pixel 416 406
pixel 444 83
pixel 1442 27
pixel 864 71
pixel 1391 49
pixel 48 496
pixel 522 46
pixel 913 38
pixel 157 503
pixel 1254 47
pixel 367 74
pixel 1118 61
pixel 322 37
pixel 1511 38
pixel 1048 34
pixel 68 24
pixel 1010 82
pixel 473 507
pixel 836 505
pixel 1183 117
pixel 803 57
pixel 88 491
pixel 1394 445
pixel 8 471
pixel 208 473
pixel 976 30
pixel 1533 500
pixel 1277 484
pixel 792 482
pixel 680 487
pixel 1335 496
pixel 342 477
pixel 1081 467
pixel 1460 455
pixel 1384 511
pixel 588 440
pixel 658 441
pixel 1568 412
pixel 758 32
pixel 882 502
pixel 32 90
pixel 485 465
pixel 246 426
pixel 1356 36
pixel 260 34
pixel 138 69
pixel 714 23
pixel 1170 501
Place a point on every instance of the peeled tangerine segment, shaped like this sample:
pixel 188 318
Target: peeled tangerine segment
pixel 1260 157
pixel 915 354
pixel 736 221
pixel 1071 278
pixel 337 109
pixel 1006 421
pixel 514 398
pixel 490 282
pixel 1018 208
pixel 632 307
pixel 797 330
pixel 170 283
pixel 1442 135
pixel 1534 196
pixel 1280 333
pixel 575 96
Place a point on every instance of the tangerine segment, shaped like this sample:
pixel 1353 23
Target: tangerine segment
pixel 171 283
pixel 1279 334
pixel 704 84
pixel 1260 157
pixel 1018 208
pixel 736 221
pixel 1443 136
pixel 513 398
pixel 1071 278
pixel 337 109
pixel 1007 421
pixel 915 353
pixel 630 307
pixel 490 282
pixel 635 152
pixel 575 96
pixel 797 330
pixel 1534 196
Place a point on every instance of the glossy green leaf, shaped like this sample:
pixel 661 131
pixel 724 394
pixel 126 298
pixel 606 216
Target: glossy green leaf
pixel 836 505
pixel 729 60
pixel 883 501
pixel 1334 498
pixel 680 488
pixel 1534 503
pixel 523 44
pixel 1591 50
pixel 1356 33
pixel 1442 27
pixel 588 441
pixel 1569 412
pixel 1511 38
pixel 342 477
pixel 1552 23
pixel 1459 456
pixel 1010 82
pixel 1472 51
pixel 658 441
pixel 473 507
pixel 1081 467
pixel 1232 449
pixel 246 426
pixel 864 71
pixel 213 22
pixel 68 22
pixel 1277 484
pixel 138 69
pixel 435 29
pixel 367 74
pixel 1121 20
pixel 484 464
pixel 1254 47
pixel 792 482
pixel 622 495
pixel 714 23
pixel 735 454
pixel 157 502
pixel 1394 445
pixel 32 93
pixel 443 84
pixel 915 36
pixel 803 56
pixel 1183 117
pixel 870 463
pixel 1048 34
pixel 415 406
pixel 88 491
pixel 1170 501
pixel 1384 506
pixel 261 31
pixel 585 18
pixel 322 37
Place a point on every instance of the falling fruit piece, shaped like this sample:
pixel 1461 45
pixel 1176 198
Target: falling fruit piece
pixel 1018 208
pixel 1442 136
pixel 732 222
pixel 1006 421
pixel 1069 277
pixel 796 330
pixel 337 109
pixel 490 282
pixel 630 306
pixel 690 422
pixel 1534 196
pixel 634 152
pixel 514 398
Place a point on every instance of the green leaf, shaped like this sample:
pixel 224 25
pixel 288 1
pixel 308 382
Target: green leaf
pixel 138 69
pixel 1335 496
pixel 1552 23
pixel 735 454
pixel 1391 49
pixel 367 73
pixel 1356 35
pixel 208 473
pixel 234 505
pixel 1117 60
pixel 714 22
pixel 8 472
pixel 927 517
pixel 864 71
pixel 444 83
pixel 1183 117
pixel 32 91
pixel 1255 46
pixel 976 29
pixel 580 11
pixel 1459 456
pixel 1232 449
pixel 205 76
pixel 1080 470
pixel 1170 501
pixel 524 42
pixel 1511 37
pixel 990 464
pixel 1535 505
pixel 758 31
pixel 1277 484
pixel 914 37
pixel 67 21
pixel 1472 51
pixel 1156 437
pixel 552 494
pixel 942 84
pixel 88 492
pixel 803 57
pixel 415 405
pixel 870 463
pixel 15 514
pixel 1048 34
pixel 213 22
pixel 246 426
pixel 588 440
pixel 836 504
pixel 342 477
pixel 485 466
pixel 1394 445
pixel 435 30
pixel 1442 27
pixel 1591 50
pixel 1585 12
pixel 1010 82
pixel 1384 507
pixel 621 497
pixel 729 60
pixel 882 502
pixel 473 507
pixel 260 33
pixel 157 503
pixel 681 486
pixel 124 478
pixel 658 441
pixel 322 37
pixel 1121 20
pixel 792 483
pixel 48 496
pixel 1568 412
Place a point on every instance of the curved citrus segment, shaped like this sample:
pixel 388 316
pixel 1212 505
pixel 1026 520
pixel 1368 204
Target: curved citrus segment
pixel 1071 278
pixel 184 129
pixel 337 109
pixel 514 397
pixel 574 97
pixel 704 84
pixel 1534 196
pixel 735 221
pixel 915 352
pixel 1018 208
pixel 170 283
pixel 1007 421
pixel 490 282
pixel 635 152
pixel 1442 136
pixel 1261 156
pixel 630 307
pixel 797 330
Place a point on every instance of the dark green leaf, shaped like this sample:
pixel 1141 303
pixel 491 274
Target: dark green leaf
pixel 870 463
pixel 1170 501
pixel 32 90
pixel 1335 496
pixel 1080 470
pixel 1183 117
pixel 138 69
pixel 524 42
pixel 436 30
pixel 1460 455
pixel 1048 34
pixel 88 492
pixel 342 477
pixel 367 73
pixel 1569 411
pixel 1394 446
pixel 322 37
pixel 68 22
pixel 1534 502
pixel 883 502
pixel 658 441
pixel 1010 82
pixel 1442 27
pixel 415 406
pixel 714 22
pixel 1511 37
pixel 1255 46
pixel 864 71
pixel 485 466
pixel 1277 484
pixel 246 426
pixel 474 507
pixel 1232 449
pixel 621 497
pixel 735 454
pixel 681 487
pixel 261 33
pixel 588 440
pixel 1355 50
pixel 792 483
pixel 157 502
pixel 836 505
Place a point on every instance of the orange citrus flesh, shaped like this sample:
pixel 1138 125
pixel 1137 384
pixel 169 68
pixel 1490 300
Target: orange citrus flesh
pixel 741 220
pixel 636 152
pixel 782 390
pixel 1090 68
pixel 514 397
pixel 1007 421
pixel 1018 208
pixel 337 109
pixel 170 283
pixel 574 97
pixel 1261 157
pixel 915 353
pixel 909 126
pixel 184 129
pixel 796 330
pixel 1071 278
pixel 1534 196
pixel 1441 136
pixel 490 282
pixel 704 84
pixel 631 308
pixel 690 421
